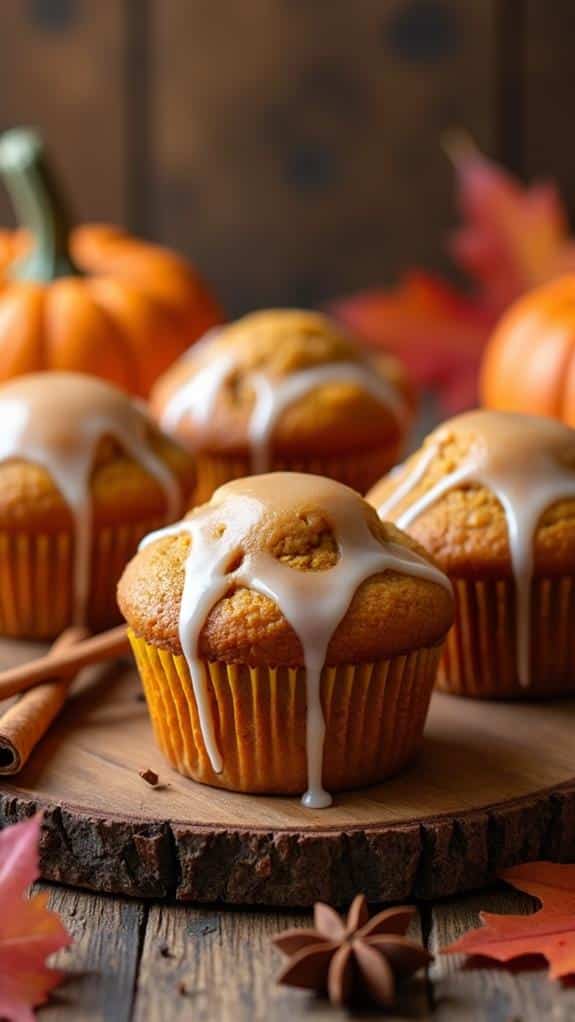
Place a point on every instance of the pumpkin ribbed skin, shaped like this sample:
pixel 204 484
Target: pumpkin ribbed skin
pixel 529 362
pixel 135 309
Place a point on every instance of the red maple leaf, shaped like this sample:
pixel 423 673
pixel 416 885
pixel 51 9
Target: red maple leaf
pixel 549 932
pixel 29 931
pixel 511 238
pixel 436 330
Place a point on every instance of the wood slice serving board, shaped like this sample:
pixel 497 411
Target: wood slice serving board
pixel 494 785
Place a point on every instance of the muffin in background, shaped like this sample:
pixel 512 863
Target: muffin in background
pixel 491 495
pixel 287 640
pixel 84 474
pixel 285 390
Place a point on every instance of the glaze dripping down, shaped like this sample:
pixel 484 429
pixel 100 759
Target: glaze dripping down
pixel 273 395
pixel 228 549
pixel 520 459
pixel 57 420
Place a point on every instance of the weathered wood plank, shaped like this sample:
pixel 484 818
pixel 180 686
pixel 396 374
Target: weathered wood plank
pixel 62 67
pixel 221 965
pixel 489 994
pixel 102 962
pixel 297 146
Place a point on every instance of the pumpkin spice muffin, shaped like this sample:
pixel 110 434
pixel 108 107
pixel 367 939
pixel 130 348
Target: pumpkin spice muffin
pixel 84 474
pixel 491 495
pixel 287 640
pixel 284 390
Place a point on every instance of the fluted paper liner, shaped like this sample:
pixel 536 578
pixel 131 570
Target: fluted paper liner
pixel 375 714
pixel 37 578
pixel 480 655
pixel 359 469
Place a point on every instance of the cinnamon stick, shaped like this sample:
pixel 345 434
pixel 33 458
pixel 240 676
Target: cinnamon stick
pixel 28 719
pixel 93 650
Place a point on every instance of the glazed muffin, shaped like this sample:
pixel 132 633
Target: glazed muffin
pixel 284 390
pixel 491 496
pixel 84 474
pixel 287 640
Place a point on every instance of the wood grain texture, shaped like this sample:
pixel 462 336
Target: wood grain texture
pixel 297 146
pixel 221 965
pixel 490 994
pixel 62 68
pixel 494 786
pixel 149 964
pixel 102 963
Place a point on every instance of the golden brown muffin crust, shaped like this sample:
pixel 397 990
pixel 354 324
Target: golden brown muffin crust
pixel 389 614
pixel 337 416
pixel 466 529
pixel 122 491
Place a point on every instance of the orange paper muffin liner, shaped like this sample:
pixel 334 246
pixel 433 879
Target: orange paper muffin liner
pixel 375 714
pixel 359 469
pixel 480 655
pixel 37 578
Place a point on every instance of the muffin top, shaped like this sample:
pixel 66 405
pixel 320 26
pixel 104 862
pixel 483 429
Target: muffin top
pixel 283 569
pixel 69 440
pixel 489 493
pixel 294 377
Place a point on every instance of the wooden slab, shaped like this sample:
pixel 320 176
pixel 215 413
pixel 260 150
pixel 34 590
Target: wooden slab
pixel 495 785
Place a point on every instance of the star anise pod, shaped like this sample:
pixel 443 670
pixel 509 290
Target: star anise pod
pixel 352 960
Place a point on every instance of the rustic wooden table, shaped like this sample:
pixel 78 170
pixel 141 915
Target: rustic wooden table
pixel 155 962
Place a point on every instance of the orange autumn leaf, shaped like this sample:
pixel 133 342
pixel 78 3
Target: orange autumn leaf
pixel 549 932
pixel 29 931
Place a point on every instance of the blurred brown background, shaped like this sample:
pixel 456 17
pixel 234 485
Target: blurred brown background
pixel 292 147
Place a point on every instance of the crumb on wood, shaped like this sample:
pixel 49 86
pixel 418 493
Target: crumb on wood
pixel 182 988
pixel 149 776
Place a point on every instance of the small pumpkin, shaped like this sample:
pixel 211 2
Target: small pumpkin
pixel 529 362
pixel 93 298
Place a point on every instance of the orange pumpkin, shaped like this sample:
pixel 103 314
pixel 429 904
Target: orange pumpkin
pixel 92 299
pixel 529 362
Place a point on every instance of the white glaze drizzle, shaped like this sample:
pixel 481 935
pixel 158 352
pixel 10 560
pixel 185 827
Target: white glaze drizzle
pixel 517 457
pixel 197 396
pixel 57 420
pixel 313 602
pixel 274 397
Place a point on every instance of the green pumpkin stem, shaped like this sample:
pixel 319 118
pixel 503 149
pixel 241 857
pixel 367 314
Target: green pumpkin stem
pixel 38 205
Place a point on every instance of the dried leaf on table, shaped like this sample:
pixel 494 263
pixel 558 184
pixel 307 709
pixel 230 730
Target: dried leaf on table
pixel 29 931
pixel 549 932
